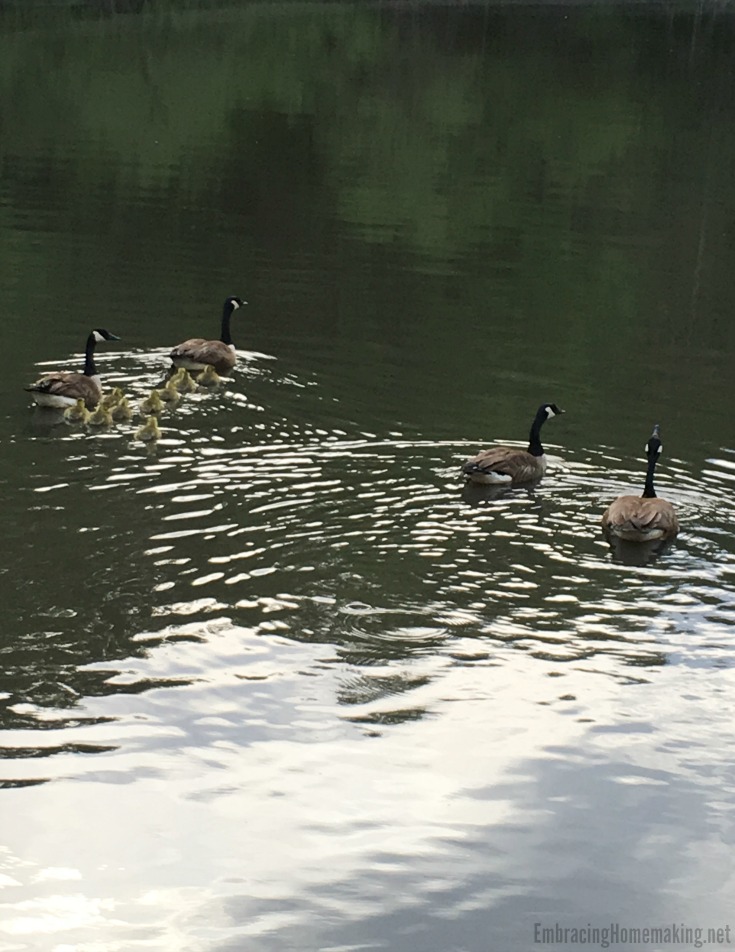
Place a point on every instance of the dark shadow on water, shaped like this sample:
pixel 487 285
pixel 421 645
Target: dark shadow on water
pixel 45 418
pixel 476 495
pixel 637 553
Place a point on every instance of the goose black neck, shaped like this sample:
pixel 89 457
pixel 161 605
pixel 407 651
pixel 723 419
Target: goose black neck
pixel 225 336
pixel 648 491
pixel 534 440
pixel 90 370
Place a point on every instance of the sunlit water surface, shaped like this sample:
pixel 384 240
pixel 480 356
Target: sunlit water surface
pixel 281 681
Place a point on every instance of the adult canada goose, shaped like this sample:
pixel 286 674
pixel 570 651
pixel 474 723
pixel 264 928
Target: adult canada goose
pixel 509 464
pixel 122 412
pixel 642 518
pixel 209 377
pixel 101 416
pixel 183 381
pixel 152 403
pixel 77 414
pixel 149 431
pixel 64 388
pixel 198 353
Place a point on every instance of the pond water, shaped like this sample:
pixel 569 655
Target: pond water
pixel 281 681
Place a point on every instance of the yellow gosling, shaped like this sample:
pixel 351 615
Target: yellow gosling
pixel 78 414
pixel 152 403
pixel 111 399
pixel 169 394
pixel 122 412
pixel 100 417
pixel 150 430
pixel 183 381
pixel 209 377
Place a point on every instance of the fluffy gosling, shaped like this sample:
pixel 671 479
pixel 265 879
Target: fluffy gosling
pixel 100 417
pixel 183 381
pixel 152 403
pixel 111 399
pixel 78 414
pixel 169 394
pixel 150 430
pixel 122 412
pixel 209 377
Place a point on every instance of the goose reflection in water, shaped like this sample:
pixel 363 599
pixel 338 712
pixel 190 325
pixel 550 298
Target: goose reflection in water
pixel 638 553
pixel 477 494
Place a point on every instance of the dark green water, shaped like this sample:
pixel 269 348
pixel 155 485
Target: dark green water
pixel 281 682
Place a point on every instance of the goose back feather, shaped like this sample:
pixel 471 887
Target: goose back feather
pixel 62 389
pixel 512 465
pixel 643 518
pixel 198 352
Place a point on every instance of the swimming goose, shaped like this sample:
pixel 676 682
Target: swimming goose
pixel 642 518
pixel 149 431
pixel 209 377
pixel 183 381
pixel 101 416
pixel 78 413
pixel 122 412
pixel 169 394
pixel 198 353
pixel 509 464
pixel 64 388
pixel 112 398
pixel 152 403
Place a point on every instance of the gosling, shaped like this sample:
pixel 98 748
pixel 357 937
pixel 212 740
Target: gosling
pixel 150 430
pixel 77 414
pixel 152 403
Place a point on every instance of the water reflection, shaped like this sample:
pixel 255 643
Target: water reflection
pixel 283 675
pixel 638 553
pixel 372 546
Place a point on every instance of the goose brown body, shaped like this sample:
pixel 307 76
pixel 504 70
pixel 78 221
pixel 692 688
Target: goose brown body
pixel 643 518
pixel 512 465
pixel 636 519
pixel 62 389
pixel 198 353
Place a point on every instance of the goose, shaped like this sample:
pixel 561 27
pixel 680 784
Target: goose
pixel 642 518
pixel 78 413
pixel 152 403
pixel 101 416
pixel 183 381
pixel 63 388
pixel 111 399
pixel 169 394
pixel 122 412
pixel 198 353
pixel 509 464
pixel 149 431
pixel 209 377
